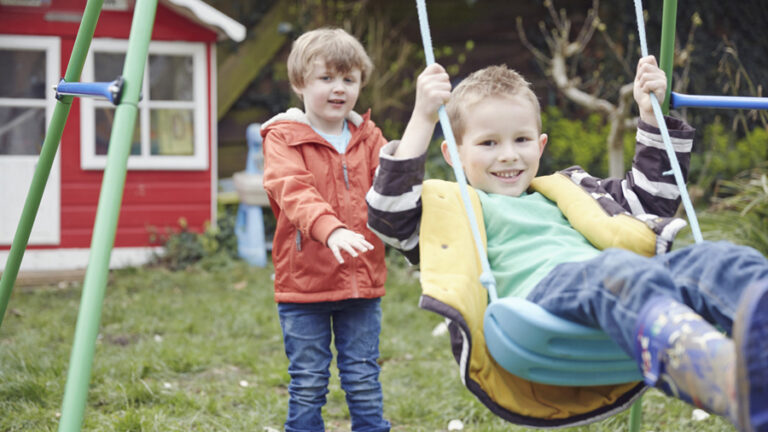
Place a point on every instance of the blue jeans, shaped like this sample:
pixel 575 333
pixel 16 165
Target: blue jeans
pixel 609 290
pixel 307 327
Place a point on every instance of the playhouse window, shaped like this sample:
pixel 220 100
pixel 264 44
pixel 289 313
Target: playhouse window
pixel 29 66
pixel 171 130
pixel 22 101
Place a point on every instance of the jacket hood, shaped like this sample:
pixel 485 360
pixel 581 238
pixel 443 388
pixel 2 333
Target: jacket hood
pixel 298 116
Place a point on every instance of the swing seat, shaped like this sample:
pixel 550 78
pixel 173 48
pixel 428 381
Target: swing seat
pixel 534 344
pixel 540 370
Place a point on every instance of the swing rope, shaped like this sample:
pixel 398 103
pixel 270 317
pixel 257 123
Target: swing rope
pixel 665 135
pixel 486 277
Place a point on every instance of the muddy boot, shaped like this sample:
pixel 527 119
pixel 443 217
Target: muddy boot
pixel 750 335
pixel 686 357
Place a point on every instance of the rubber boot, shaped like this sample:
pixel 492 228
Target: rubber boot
pixel 750 334
pixel 686 357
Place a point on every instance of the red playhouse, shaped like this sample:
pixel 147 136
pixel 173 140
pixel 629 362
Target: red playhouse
pixel 172 167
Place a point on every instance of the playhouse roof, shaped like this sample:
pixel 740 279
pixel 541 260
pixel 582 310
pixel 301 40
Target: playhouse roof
pixel 210 17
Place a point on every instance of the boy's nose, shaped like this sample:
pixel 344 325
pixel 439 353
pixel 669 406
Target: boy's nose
pixel 507 153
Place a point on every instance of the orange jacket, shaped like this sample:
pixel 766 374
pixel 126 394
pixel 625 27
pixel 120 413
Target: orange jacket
pixel 313 190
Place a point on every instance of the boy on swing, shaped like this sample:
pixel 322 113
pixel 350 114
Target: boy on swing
pixel 662 309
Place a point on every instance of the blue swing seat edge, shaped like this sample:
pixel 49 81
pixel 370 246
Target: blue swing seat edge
pixel 536 345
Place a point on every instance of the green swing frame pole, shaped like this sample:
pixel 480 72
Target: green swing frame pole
pixel 110 199
pixel 636 416
pixel 47 154
pixel 667 52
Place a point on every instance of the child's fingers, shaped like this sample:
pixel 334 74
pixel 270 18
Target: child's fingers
pixel 363 245
pixel 349 249
pixel 337 254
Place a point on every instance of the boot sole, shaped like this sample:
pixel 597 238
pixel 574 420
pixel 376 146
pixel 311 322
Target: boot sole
pixel 750 333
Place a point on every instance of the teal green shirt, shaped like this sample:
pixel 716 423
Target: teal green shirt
pixel 527 237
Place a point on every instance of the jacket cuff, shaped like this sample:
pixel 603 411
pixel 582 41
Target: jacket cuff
pixel 324 226
pixel 388 162
pixel 676 127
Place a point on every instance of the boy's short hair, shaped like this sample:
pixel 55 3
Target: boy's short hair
pixel 341 51
pixel 490 81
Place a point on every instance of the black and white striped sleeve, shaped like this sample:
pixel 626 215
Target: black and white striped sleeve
pixel 394 201
pixel 650 186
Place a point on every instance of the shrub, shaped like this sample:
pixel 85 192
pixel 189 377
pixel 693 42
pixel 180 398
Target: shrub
pixel 183 247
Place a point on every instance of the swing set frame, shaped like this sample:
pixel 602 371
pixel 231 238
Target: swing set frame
pixel 124 92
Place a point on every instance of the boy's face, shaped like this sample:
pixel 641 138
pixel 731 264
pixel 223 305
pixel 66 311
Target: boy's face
pixel 329 96
pixel 501 147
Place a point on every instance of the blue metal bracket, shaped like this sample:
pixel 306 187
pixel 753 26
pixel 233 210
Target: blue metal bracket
pixel 111 91
pixel 703 101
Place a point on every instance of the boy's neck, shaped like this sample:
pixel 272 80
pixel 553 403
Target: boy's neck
pixel 329 128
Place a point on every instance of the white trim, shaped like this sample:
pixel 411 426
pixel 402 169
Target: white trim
pixel 214 122
pixel 89 160
pixel 649 139
pixel 77 258
pixel 23 102
pixel 657 189
pixel 212 17
pixel 50 233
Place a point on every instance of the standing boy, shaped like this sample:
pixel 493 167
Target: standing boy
pixel 329 268
pixel 661 309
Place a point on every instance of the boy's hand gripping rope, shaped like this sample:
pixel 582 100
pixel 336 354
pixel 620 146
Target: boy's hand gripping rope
pixel 665 134
pixel 486 277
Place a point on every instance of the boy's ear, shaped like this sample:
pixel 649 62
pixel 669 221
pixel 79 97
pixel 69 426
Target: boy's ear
pixel 297 91
pixel 446 153
pixel 543 139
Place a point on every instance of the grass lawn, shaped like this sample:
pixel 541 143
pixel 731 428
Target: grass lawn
pixel 201 350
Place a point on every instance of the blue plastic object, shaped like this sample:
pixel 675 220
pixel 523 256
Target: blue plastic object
pixel 111 91
pixel 249 225
pixel 678 100
pixel 534 344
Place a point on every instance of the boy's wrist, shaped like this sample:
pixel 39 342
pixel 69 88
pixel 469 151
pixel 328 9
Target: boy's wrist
pixel 649 117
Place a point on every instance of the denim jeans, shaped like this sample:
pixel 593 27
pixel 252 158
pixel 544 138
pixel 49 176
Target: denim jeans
pixel 307 328
pixel 609 290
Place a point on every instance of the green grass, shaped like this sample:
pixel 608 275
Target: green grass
pixel 201 350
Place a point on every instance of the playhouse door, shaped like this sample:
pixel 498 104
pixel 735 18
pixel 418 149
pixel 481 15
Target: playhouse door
pixel 26 106
pixel 15 179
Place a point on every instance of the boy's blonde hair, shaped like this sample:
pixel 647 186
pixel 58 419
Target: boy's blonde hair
pixel 340 50
pixel 483 83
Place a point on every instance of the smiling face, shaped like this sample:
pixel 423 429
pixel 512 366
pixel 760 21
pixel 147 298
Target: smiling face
pixel 501 144
pixel 329 96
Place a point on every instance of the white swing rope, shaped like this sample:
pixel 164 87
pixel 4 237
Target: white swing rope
pixel 665 135
pixel 486 277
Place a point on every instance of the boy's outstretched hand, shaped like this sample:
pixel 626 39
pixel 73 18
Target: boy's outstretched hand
pixel 350 241
pixel 649 78
pixel 433 88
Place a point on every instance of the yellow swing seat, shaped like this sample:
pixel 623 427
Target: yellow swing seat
pixel 553 384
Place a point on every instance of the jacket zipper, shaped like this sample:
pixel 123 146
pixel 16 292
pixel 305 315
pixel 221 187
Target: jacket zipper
pixel 346 173
pixel 348 204
pixel 298 240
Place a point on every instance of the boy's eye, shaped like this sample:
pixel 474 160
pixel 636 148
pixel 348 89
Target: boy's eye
pixel 522 139
pixel 488 143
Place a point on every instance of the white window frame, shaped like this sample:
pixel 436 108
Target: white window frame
pixel 89 160
pixel 51 46
pixel 47 228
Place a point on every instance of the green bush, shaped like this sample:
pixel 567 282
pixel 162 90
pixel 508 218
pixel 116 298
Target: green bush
pixel 739 210
pixel 182 247
pixel 720 155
